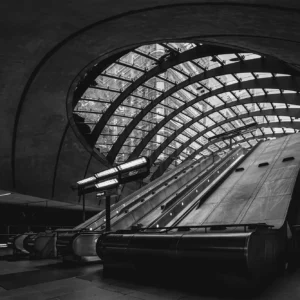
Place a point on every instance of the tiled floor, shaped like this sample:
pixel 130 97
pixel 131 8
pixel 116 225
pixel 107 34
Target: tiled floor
pixel 52 280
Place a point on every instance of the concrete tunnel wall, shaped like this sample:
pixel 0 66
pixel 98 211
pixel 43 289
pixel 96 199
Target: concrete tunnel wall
pixel 46 45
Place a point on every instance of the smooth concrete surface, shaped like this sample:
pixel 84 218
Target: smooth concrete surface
pixel 257 194
pixel 49 279
pixel 46 45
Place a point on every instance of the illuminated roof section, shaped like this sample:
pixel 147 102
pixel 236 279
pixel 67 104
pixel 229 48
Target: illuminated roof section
pixel 165 100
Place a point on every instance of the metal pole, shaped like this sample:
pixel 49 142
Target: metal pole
pixel 83 208
pixel 107 210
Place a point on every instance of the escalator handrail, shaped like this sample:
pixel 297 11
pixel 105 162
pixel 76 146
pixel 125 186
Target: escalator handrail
pixel 213 168
pixel 146 190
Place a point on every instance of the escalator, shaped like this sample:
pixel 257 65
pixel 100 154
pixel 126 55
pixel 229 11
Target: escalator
pixel 80 242
pixel 192 192
pixel 242 226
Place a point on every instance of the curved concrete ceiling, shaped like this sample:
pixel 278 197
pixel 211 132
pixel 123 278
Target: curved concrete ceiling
pixel 45 46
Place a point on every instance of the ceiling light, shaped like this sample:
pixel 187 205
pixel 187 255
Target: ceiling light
pixel 112 171
pixel 86 180
pixel 133 164
pixel 107 184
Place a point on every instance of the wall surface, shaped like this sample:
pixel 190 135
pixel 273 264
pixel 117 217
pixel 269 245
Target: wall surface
pixel 46 44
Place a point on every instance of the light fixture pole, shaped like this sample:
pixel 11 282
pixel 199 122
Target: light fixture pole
pixel 83 208
pixel 107 213
pixel 107 182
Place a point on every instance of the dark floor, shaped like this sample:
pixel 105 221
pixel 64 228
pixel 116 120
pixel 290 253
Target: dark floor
pixel 51 279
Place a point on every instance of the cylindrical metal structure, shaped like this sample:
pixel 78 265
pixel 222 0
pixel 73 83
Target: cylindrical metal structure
pixel 84 244
pixel 80 244
pixel 29 242
pixel 252 255
pixel 64 242
pixel 44 244
pixel 18 244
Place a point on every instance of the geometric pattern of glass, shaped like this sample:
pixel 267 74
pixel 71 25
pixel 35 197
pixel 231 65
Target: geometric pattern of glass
pixel 185 102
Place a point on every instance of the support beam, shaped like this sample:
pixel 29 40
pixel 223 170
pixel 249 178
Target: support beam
pixel 162 167
pixel 197 52
pixel 284 82
pixel 255 65
pixel 168 161
pixel 293 99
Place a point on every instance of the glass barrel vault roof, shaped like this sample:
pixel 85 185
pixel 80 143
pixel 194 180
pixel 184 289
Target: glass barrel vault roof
pixel 167 99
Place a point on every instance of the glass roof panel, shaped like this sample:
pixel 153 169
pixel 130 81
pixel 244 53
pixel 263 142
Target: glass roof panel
pixel 108 86
pixel 136 102
pixel 272 91
pixel 293 106
pixel 145 125
pixel 165 131
pixel 115 130
pixel 138 133
pixel 123 71
pixel 279 105
pixel 189 132
pixel 132 141
pixel 215 101
pixel 182 138
pixel 241 94
pixel 289 92
pixel 197 127
pixel 212 63
pixel 120 121
pixel 262 75
pixel 248 56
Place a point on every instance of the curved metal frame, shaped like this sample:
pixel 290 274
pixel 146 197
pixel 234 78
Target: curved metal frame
pixel 162 167
pixel 197 52
pixel 295 125
pixel 281 83
pixel 273 98
pixel 255 65
pixel 239 65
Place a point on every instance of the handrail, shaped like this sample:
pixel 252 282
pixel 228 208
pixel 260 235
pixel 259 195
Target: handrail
pixel 194 183
pixel 204 176
pixel 139 193
pixel 237 162
pixel 58 231
pixel 187 228
pixel 37 226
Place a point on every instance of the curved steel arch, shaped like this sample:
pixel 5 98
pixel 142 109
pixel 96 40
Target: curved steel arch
pixel 283 112
pixel 161 168
pixel 255 65
pixel 197 52
pixel 272 98
pixel 278 83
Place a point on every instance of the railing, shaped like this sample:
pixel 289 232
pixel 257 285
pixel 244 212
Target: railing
pixel 249 226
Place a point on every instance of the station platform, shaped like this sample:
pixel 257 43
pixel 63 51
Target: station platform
pixel 53 280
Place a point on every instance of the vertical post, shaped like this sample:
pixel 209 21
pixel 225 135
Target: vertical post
pixel 230 143
pixel 83 208
pixel 107 210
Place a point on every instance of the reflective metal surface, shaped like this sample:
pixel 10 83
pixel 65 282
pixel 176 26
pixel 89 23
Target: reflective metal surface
pixel 29 242
pixel 257 194
pixel 84 244
pixel 265 191
pixel 249 254
pixel 18 243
